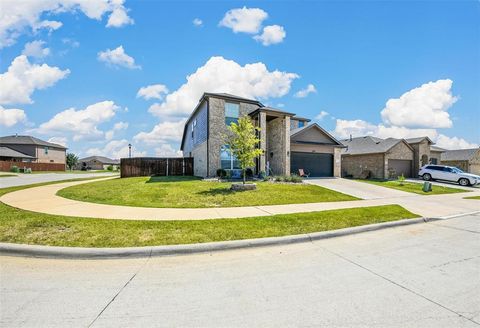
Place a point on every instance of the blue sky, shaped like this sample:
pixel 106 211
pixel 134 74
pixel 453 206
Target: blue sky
pixel 398 69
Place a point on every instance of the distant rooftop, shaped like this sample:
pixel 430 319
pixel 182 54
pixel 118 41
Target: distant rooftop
pixel 8 152
pixel 459 155
pixel 101 159
pixel 368 145
pixel 27 140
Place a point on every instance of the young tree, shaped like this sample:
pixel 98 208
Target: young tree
pixel 243 141
pixel 72 160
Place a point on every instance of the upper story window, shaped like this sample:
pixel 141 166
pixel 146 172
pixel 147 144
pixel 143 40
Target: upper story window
pixel 232 111
pixel 46 150
pixel 194 124
pixel 301 124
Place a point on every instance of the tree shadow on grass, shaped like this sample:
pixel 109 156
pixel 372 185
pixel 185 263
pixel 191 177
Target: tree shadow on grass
pixel 156 179
pixel 219 191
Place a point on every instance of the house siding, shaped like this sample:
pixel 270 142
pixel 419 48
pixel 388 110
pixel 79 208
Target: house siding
pixel 355 165
pixel 278 145
pixel 54 155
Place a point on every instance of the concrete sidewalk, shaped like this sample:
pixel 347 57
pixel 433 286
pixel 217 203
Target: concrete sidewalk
pixel 44 199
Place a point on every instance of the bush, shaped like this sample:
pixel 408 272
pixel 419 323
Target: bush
pixel 288 178
pixel 110 168
pixel 14 169
pixel 401 180
pixel 296 178
pixel 28 170
pixel 221 173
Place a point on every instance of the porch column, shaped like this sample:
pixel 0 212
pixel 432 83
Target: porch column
pixel 286 145
pixel 262 121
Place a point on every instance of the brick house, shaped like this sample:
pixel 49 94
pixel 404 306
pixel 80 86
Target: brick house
pixel 467 160
pixel 289 142
pixel 34 150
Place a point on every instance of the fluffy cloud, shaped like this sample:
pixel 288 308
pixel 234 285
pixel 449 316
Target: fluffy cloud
pixel 81 124
pixel 197 22
pixel 418 112
pixel 425 106
pixel 22 78
pixel 321 115
pixel 10 117
pixel 154 91
pixel 246 20
pixel 222 75
pixel 117 57
pixel 115 149
pixel 35 49
pixel 272 34
pixel 116 127
pixel 18 16
pixel 305 92
pixel 162 133
pixel 166 150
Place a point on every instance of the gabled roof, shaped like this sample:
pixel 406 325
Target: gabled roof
pixel 459 155
pixel 370 145
pixel 271 111
pixel 9 152
pixel 101 159
pixel 27 140
pixel 438 149
pixel 418 140
pixel 299 118
pixel 300 131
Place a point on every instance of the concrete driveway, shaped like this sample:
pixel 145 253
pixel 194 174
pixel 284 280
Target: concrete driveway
pixel 358 189
pixel 26 179
pixel 425 275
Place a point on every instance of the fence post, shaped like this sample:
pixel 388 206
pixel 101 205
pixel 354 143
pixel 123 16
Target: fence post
pixel 167 169
pixel 183 165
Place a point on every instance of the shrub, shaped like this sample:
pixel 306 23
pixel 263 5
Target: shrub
pixel 110 168
pixel 296 178
pixel 221 173
pixel 401 180
pixel 249 172
pixel 14 169
pixel 28 170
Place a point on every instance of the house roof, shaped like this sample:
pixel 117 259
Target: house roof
pixel 101 159
pixel 369 145
pixel 27 140
pixel 459 154
pixel 438 149
pixel 299 131
pixel 9 152
pixel 271 111
pixel 418 140
pixel 299 118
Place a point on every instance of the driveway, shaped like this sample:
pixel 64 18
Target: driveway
pixel 26 179
pixel 357 189
pixel 425 275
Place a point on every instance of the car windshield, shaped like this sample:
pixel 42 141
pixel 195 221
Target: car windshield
pixel 456 170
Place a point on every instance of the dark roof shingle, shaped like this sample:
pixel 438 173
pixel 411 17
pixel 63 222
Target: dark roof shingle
pixel 459 154
pixel 27 140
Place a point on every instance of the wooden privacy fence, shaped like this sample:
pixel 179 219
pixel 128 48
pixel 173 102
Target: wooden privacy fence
pixel 6 165
pixel 148 166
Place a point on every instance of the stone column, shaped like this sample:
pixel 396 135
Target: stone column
pixel 337 162
pixel 262 121
pixel 286 145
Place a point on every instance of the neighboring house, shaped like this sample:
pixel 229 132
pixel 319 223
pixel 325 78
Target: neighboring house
pixel 371 157
pixel 288 142
pixel 435 154
pixel 8 154
pixel 32 150
pixel 97 163
pixel 467 160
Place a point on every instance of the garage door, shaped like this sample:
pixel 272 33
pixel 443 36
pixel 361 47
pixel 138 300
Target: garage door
pixel 318 164
pixel 399 167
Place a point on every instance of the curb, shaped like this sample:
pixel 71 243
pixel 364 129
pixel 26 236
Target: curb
pixel 148 251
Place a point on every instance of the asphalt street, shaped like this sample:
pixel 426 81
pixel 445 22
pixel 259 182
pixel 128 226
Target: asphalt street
pixel 424 275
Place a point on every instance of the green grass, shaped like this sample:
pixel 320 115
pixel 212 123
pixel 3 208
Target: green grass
pixel 75 172
pixel 474 197
pixel 25 227
pixel 188 192
pixel 7 175
pixel 414 187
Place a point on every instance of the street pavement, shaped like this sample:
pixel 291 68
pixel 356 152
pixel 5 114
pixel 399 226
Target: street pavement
pixel 26 179
pixel 424 275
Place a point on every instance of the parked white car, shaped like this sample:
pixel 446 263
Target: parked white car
pixel 448 173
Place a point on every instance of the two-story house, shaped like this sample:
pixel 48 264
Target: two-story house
pixel 30 149
pixel 289 143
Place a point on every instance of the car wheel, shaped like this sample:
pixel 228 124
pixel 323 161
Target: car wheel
pixel 427 177
pixel 463 182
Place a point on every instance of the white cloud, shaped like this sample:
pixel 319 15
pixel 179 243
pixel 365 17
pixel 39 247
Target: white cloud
pixel 246 20
pixel 272 34
pixel 71 42
pixel 197 22
pixel 425 106
pixel 166 150
pixel 305 92
pixel 22 16
pixel 321 115
pixel 35 49
pixel 12 116
pixel 162 133
pixel 454 143
pixel 115 149
pixel 222 75
pixel 81 124
pixel 22 78
pixel 59 140
pixel 116 127
pixel 154 91
pixel 117 57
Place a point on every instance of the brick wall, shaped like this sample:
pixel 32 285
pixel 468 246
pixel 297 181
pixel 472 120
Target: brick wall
pixel 6 165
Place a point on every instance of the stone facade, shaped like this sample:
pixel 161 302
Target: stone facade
pixel 421 154
pixel 399 151
pixel 355 165
pixel 278 145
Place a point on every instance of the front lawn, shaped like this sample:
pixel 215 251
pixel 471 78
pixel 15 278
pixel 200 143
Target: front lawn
pixel 474 197
pixel 19 226
pixel 188 192
pixel 414 187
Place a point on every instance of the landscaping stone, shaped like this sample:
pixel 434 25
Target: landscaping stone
pixel 243 187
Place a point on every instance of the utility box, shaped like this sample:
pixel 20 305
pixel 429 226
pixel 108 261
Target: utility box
pixel 427 186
